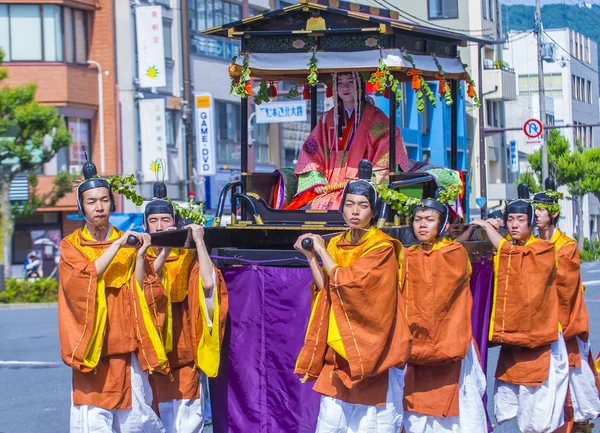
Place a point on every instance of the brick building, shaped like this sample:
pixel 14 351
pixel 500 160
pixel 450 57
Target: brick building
pixel 59 44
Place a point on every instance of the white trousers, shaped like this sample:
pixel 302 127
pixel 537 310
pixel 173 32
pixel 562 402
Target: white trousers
pixel 471 418
pixel 538 409
pixel 139 419
pixel 337 416
pixel 183 416
pixel 582 387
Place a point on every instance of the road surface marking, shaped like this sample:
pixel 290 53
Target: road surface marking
pixel 591 283
pixel 29 364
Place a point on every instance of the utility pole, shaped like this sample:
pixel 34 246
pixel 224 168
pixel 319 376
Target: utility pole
pixel 482 145
pixel 188 98
pixel 542 97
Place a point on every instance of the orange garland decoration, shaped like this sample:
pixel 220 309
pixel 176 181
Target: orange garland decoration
pixel 441 84
pixel 470 90
pixel 416 79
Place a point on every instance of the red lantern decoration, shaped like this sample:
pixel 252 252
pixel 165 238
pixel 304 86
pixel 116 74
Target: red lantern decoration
pixel 369 87
pixel 272 90
pixel 329 91
pixel 306 92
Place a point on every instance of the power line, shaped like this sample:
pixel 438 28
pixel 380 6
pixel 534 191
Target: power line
pixel 569 53
pixel 412 19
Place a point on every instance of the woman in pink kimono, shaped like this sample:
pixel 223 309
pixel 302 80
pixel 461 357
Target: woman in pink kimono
pixel 352 130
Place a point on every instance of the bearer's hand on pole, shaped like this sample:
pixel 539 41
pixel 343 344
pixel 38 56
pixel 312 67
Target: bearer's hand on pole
pixel 197 233
pixel 479 222
pixel 144 245
pixel 122 241
pixel 308 253
pixel 320 189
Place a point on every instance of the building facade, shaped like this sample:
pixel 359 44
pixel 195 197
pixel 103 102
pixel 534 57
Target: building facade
pixel 479 19
pixel 571 83
pixel 136 98
pixel 60 45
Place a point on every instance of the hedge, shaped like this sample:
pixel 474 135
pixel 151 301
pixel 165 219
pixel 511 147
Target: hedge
pixel 23 291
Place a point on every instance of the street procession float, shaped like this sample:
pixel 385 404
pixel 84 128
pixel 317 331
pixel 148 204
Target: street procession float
pixel 267 280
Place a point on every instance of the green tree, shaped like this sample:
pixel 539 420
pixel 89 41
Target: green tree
pixel 30 136
pixel 571 171
pixel 592 179
pixel 578 171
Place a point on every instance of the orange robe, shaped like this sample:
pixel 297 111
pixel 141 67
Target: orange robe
pixel 438 308
pixel 572 311
pixel 183 283
pixel 102 321
pixel 362 298
pixel 524 310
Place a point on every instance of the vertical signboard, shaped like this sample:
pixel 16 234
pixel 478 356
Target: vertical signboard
pixel 206 149
pixel 150 46
pixel 154 138
pixel 514 156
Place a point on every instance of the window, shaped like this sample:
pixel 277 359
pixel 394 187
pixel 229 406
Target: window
pixel 25 32
pixel 442 9
pixel 484 8
pixel 47 33
pixel 210 13
pixel 80 133
pixel 589 92
pixel 171 125
pixel 491 10
pixel 167 39
pixel 80 37
pixel 228 136
pixel 69 35
pixel 52 24
pixel 4 32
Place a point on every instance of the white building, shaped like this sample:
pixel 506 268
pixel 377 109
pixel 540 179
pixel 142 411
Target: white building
pixel 571 80
pixel 480 19
pixel 130 94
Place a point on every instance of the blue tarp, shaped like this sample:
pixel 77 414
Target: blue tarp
pixel 127 221
pixel 122 221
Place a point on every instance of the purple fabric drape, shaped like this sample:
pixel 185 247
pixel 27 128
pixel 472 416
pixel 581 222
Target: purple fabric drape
pixel 256 390
pixel 482 283
pixel 481 289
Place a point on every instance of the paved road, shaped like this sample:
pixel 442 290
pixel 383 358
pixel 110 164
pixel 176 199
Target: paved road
pixel 35 390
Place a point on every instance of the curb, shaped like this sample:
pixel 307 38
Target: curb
pixel 31 306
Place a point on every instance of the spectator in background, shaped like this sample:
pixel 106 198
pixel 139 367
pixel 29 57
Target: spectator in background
pixel 31 266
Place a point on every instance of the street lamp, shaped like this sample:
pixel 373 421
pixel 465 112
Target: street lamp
pixel 100 111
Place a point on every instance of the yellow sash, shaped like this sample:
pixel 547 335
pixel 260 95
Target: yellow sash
pixel 371 240
pixel 209 346
pixel 118 274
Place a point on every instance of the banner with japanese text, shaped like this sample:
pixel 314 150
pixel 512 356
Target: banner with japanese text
pixel 206 149
pixel 150 46
pixel 154 138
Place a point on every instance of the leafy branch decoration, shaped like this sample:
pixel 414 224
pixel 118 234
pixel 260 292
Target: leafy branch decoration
pixel 240 77
pixel 419 85
pixel 383 80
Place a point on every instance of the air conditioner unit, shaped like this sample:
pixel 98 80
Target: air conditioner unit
pixel 547 52
pixel 488 63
